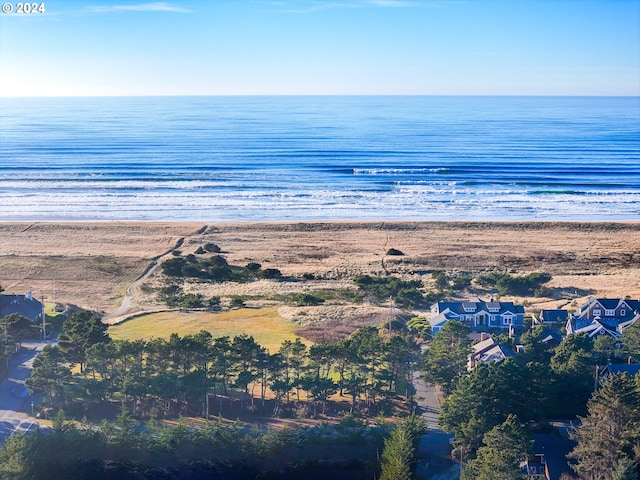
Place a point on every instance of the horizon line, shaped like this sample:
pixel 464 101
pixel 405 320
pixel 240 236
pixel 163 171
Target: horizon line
pixel 5 97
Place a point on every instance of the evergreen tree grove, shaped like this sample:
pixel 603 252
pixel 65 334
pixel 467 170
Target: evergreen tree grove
pixel 610 434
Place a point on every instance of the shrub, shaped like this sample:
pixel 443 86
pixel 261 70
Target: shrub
pixel 461 282
pixel 214 303
pixel 220 274
pixel 218 261
pixel 173 267
pixel 307 300
pixel 212 248
pixel 271 273
pixel 405 293
pixel 200 251
pixel 253 266
pixel 506 284
pixel 237 302
pixel 441 280
pixel 192 300
pixel 394 252
pixel 192 270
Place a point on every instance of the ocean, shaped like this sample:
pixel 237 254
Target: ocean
pixel 219 159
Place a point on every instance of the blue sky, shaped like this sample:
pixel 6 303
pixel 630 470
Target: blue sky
pixel 315 47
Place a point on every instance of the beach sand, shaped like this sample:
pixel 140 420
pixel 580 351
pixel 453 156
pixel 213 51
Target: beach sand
pixel 93 264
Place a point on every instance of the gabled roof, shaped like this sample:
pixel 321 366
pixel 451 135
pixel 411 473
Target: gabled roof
pixel 551 337
pixel 483 345
pixel 630 368
pixel 20 304
pixel 624 325
pixel 595 329
pixel 554 315
pixel 633 305
pixel 460 308
pixel 487 351
pixel 609 303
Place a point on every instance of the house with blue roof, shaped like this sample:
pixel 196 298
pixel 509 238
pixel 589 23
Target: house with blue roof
pixel 24 305
pixel 604 316
pixel 550 316
pixel 477 314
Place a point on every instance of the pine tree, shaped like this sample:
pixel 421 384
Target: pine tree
pixel 397 456
pixel 505 446
pixel 610 431
pixel 625 469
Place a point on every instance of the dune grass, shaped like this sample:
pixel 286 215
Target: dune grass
pixel 266 326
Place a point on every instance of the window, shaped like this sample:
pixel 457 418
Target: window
pixel 507 320
pixel 609 313
pixel 623 312
pixel 597 312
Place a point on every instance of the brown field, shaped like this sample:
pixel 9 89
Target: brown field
pixel 93 264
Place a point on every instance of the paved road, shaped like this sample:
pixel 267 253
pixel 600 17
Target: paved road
pixel 15 403
pixel 435 462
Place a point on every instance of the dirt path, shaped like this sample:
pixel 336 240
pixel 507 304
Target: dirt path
pixel 129 307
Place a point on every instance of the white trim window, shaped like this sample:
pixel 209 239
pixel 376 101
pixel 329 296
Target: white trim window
pixel 507 320
pixel 609 313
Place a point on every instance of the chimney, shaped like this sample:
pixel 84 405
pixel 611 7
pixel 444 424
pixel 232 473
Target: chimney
pixel 29 295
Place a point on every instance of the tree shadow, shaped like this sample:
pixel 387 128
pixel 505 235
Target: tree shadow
pixel 569 293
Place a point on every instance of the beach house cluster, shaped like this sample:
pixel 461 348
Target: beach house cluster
pixel 598 316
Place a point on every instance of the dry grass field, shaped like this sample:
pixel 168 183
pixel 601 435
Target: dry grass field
pixel 266 326
pixel 87 264
pixel 93 264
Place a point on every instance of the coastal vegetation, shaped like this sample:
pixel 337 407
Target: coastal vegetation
pixel 118 448
pixel 199 374
pixel 315 280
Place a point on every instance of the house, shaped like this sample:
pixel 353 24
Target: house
pixel 604 316
pixel 477 313
pixel 535 467
pixel 593 329
pixel 554 447
pixel 549 316
pixel 632 369
pixel 24 305
pixel 488 350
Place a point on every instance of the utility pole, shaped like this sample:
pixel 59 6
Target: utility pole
pixel 44 321
pixel 392 314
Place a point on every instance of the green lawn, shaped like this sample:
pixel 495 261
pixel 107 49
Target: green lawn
pixel 266 326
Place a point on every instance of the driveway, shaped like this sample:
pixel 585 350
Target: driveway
pixel 15 402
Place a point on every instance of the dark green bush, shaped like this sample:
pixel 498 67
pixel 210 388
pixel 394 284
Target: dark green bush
pixel 212 248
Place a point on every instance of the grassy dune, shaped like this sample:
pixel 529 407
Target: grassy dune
pixel 266 326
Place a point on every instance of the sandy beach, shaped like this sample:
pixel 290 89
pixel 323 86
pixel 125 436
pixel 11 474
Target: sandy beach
pixel 93 264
